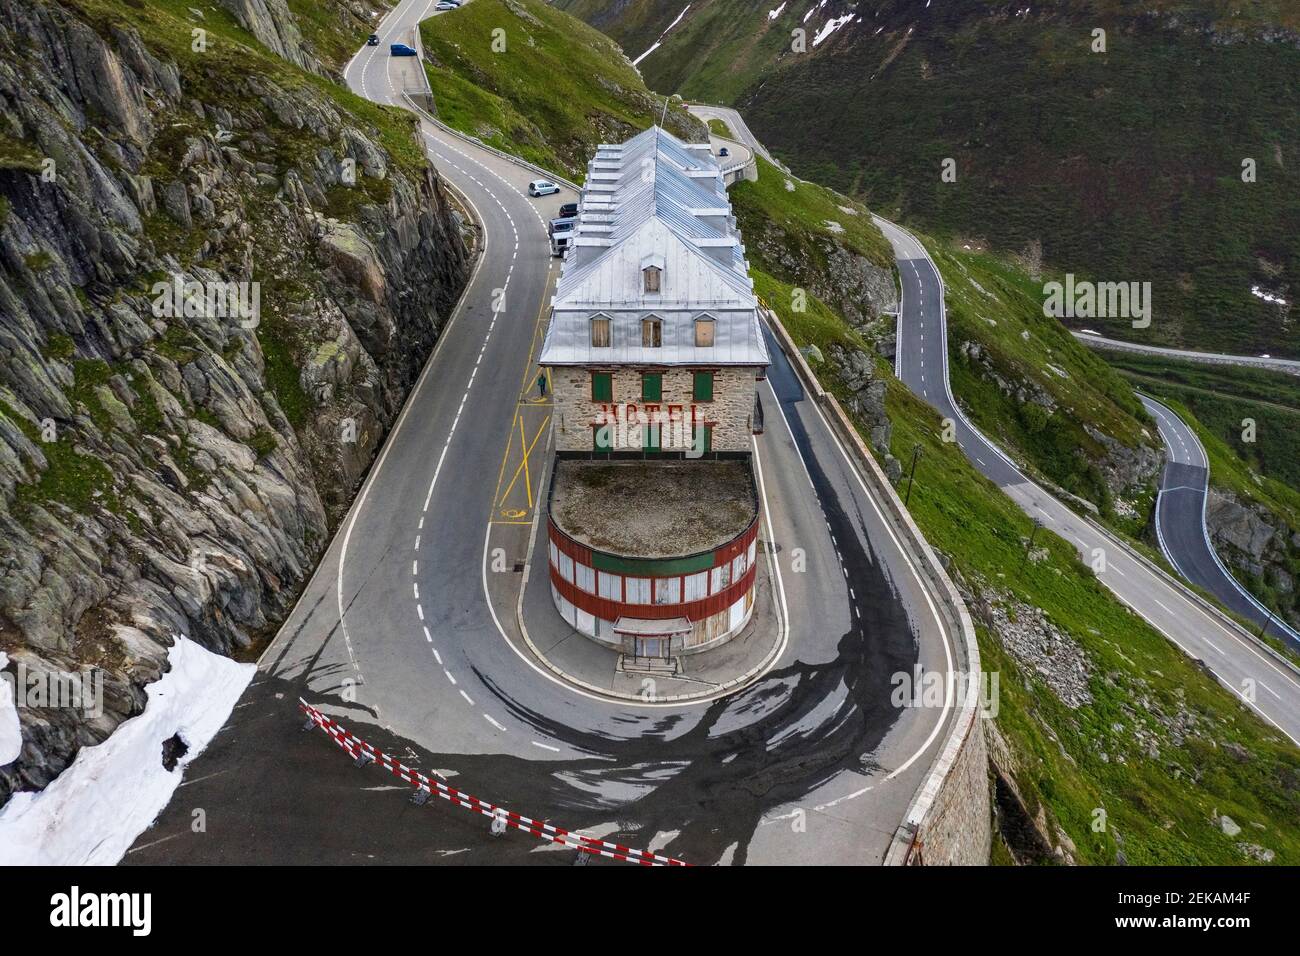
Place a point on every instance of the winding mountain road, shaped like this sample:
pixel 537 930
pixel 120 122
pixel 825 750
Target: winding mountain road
pixel 407 631
pixel 1266 684
pixel 1181 529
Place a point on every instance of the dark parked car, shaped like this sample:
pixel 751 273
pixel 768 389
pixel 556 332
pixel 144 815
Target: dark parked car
pixel 401 49
pixel 568 209
pixel 724 151
pixel 372 40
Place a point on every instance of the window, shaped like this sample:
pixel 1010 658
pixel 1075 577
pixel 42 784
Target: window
pixel 650 443
pixel 720 577
pixel 610 585
pixel 697 586
pixel 585 578
pixel 650 278
pixel 600 332
pixel 638 590
pixel 702 387
pixel 652 333
pixel 652 386
pixel 602 386
pixel 704 327
pixel 668 590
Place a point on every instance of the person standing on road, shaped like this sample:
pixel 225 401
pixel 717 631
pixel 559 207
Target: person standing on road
pixel 541 384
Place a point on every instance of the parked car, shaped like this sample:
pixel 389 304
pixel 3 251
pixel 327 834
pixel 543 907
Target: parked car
pixel 724 151
pixel 401 49
pixel 563 224
pixel 568 209
pixel 542 187
pixel 446 5
pixel 372 40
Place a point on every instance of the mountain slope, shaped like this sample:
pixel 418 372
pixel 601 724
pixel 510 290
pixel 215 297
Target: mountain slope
pixel 1100 718
pixel 174 450
pixel 1122 166
pixel 553 91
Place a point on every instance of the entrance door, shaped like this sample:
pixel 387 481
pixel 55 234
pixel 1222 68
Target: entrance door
pixel 651 646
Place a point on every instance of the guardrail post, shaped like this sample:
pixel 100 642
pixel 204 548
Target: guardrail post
pixel 499 826
pixel 420 797
pixel 364 757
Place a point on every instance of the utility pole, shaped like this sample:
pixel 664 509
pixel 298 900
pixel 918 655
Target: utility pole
pixel 1267 620
pixel 911 477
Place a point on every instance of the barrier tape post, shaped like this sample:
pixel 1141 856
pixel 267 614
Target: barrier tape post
pixel 501 818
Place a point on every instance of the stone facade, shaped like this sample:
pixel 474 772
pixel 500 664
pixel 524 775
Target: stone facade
pixel 730 412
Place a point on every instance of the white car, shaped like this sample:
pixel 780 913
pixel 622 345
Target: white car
pixel 446 5
pixel 542 187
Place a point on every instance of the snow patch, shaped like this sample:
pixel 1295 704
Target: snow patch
pixel 773 14
pixel 830 27
pixel 1267 296
pixel 832 225
pixel 11 739
pixel 660 41
pixel 94 810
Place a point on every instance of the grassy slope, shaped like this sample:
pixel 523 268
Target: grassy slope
pixel 1125 166
pixel 1159 807
pixel 804 211
pixel 557 90
pixel 995 304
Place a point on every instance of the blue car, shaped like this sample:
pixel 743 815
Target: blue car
pixel 400 49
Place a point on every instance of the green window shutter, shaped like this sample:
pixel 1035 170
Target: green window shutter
pixel 602 387
pixel 708 439
pixel 650 439
pixel 703 386
pixel 652 386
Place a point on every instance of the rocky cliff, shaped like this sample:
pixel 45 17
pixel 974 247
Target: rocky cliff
pixel 220 274
pixel 1258 547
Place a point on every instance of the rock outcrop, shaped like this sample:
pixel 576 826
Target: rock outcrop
pixel 856 371
pixel 217 285
pixel 1257 547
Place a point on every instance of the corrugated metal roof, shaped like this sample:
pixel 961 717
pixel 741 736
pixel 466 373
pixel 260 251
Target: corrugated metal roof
pixel 654 195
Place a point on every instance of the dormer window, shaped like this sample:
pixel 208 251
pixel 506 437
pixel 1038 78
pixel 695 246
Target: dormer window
pixel 704 328
pixel 652 273
pixel 600 332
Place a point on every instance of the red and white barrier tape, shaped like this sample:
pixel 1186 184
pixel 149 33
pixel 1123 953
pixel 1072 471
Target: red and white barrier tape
pixel 355 747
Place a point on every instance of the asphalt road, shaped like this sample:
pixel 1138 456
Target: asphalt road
pixel 406 632
pixel 1290 366
pixel 1267 686
pixel 1180 523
